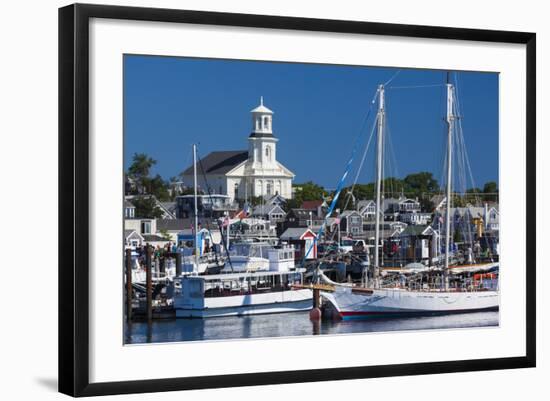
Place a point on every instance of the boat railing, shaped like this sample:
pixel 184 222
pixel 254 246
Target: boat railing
pixel 434 284
pixel 224 291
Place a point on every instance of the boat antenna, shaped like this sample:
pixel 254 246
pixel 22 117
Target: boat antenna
pixel 196 223
pixel 450 119
pixel 379 158
pixel 209 191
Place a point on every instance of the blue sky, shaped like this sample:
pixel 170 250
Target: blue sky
pixel 172 102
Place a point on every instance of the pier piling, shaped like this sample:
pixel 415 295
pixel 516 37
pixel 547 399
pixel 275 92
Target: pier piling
pixel 162 265
pixel 315 313
pixel 178 264
pixel 129 285
pixel 149 284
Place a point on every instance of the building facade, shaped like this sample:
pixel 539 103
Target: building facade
pixel 246 173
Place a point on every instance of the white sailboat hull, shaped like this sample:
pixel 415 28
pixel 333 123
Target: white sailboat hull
pixel 244 305
pixel 401 302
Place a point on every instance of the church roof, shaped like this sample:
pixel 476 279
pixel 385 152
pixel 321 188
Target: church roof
pixel 261 108
pixel 219 162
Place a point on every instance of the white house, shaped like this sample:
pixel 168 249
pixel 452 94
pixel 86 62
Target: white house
pixel 132 239
pixel 246 173
pixel 415 218
pixel 141 226
pixel 367 209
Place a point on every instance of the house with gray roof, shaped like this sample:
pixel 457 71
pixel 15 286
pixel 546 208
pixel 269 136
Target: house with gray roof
pixel 172 227
pixel 351 224
pixel 464 219
pixel 167 213
pixel 273 213
pixel 387 229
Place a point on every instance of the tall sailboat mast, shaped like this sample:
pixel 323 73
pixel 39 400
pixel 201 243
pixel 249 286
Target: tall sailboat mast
pixel 196 242
pixel 450 118
pixel 380 148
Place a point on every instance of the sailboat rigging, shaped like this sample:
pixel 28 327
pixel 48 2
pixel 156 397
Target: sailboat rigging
pixel 373 298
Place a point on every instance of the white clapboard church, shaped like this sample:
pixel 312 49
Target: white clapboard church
pixel 242 174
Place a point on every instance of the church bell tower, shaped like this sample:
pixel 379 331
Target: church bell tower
pixel 262 144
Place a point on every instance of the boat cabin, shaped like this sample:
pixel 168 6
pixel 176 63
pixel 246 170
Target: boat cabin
pixel 194 290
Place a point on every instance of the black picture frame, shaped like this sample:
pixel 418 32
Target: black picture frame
pixel 74 203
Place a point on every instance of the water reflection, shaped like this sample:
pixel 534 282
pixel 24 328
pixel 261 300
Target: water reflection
pixel 289 324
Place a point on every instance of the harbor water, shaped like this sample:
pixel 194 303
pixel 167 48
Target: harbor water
pixel 289 325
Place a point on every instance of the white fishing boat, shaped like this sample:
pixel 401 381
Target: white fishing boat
pixel 373 298
pixel 256 279
pixel 248 257
pixel 241 294
pixel 259 256
pixel 249 290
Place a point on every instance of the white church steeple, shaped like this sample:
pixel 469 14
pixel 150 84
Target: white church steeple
pixel 262 120
pixel 262 143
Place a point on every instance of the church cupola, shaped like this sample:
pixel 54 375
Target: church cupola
pixel 262 119
pixel 262 145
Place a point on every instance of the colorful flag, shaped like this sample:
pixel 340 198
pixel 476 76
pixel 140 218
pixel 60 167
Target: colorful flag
pixel 225 221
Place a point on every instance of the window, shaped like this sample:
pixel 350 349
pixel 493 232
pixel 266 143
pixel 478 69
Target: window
pixel 146 227
pixel 236 190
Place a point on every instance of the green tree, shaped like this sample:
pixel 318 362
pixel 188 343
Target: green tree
pixel 158 187
pixel 305 192
pixel 472 196
pixel 419 184
pixel 392 187
pixel 426 204
pixel 140 171
pixel 141 166
pixel 364 191
pixel 490 191
pixel 146 207
pixel 311 191
pixel 294 203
